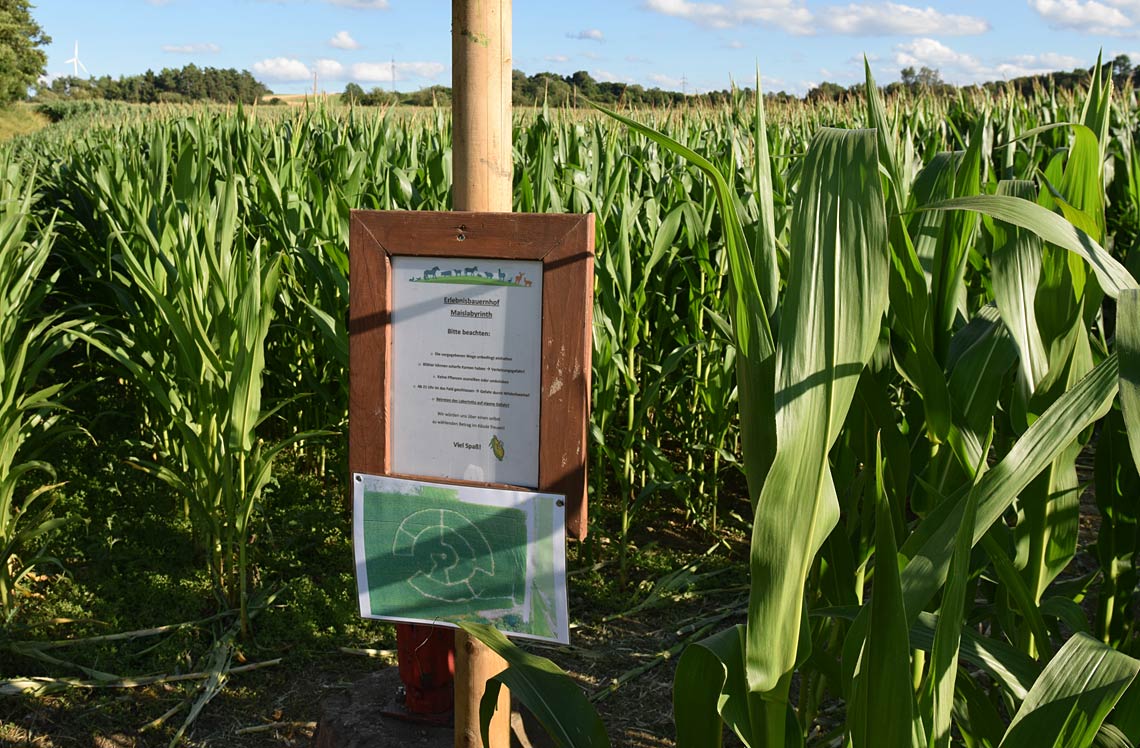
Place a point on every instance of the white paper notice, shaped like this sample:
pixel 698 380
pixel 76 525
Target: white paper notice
pixel 466 375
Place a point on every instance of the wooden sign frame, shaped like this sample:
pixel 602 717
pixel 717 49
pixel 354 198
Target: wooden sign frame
pixel 564 243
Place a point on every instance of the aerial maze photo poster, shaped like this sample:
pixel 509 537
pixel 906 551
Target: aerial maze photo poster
pixel 442 554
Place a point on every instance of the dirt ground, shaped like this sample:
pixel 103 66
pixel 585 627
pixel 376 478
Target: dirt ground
pixel 623 657
pixel 622 654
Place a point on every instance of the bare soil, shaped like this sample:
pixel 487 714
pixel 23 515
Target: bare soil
pixel 623 661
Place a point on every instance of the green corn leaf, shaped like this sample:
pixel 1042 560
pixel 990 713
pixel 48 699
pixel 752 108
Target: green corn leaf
pixel 1126 717
pixel 750 308
pixel 930 546
pixel 752 334
pixel 1113 276
pixel 877 119
pixel 1010 667
pixel 832 311
pixel 768 273
pixel 542 687
pixel 1128 348
pixel 1016 265
pixel 1110 736
pixel 948 632
pixel 710 690
pixel 1023 598
pixel 882 712
pixel 976 383
pixel 699 691
pixel 949 265
pixel 975 715
pixel 1097 109
pixel 1082 185
pixel 1067 611
pixel 1014 670
pixel 1072 696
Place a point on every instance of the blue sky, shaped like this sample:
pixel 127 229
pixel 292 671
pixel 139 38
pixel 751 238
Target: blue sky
pixel 692 44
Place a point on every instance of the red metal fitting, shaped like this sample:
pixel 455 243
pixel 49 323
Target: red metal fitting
pixel 427 667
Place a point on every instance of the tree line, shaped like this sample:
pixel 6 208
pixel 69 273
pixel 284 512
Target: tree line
pixel 580 87
pixel 190 83
pixel 930 79
pixel 551 88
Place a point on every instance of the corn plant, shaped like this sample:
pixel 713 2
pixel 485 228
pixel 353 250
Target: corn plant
pixel 29 409
pixel 741 677
pixel 198 303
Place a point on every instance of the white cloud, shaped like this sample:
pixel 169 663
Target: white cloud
pixel 884 19
pixel 789 15
pixel 282 69
pixel 593 35
pixel 960 68
pixel 610 76
pixel 374 72
pixel 1088 16
pixel 1023 65
pixel 557 58
pixel 667 82
pixel 934 54
pixel 735 44
pixel 362 4
pixel 793 16
pixel 384 72
pixel 190 49
pixel 329 70
pixel 344 40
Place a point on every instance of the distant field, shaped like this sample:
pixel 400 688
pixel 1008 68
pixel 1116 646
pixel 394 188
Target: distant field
pixel 19 120
pixel 301 99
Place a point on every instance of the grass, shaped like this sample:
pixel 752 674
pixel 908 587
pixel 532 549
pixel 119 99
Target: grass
pixel 19 120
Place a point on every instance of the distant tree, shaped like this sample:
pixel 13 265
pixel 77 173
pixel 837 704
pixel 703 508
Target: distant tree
pixel 1121 69
pixel 926 77
pixel 431 96
pixel 826 91
pixel 584 84
pixel 555 91
pixel 929 77
pixel 22 60
pixel 354 94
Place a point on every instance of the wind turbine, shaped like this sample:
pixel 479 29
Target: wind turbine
pixel 76 63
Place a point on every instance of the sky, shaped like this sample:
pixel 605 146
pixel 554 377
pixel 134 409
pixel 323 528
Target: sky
pixel 690 45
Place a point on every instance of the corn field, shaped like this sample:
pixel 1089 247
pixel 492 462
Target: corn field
pixel 909 327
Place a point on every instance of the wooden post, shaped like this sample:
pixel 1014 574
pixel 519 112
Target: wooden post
pixel 482 168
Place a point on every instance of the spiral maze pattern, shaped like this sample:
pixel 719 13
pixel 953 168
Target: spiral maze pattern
pixel 453 560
